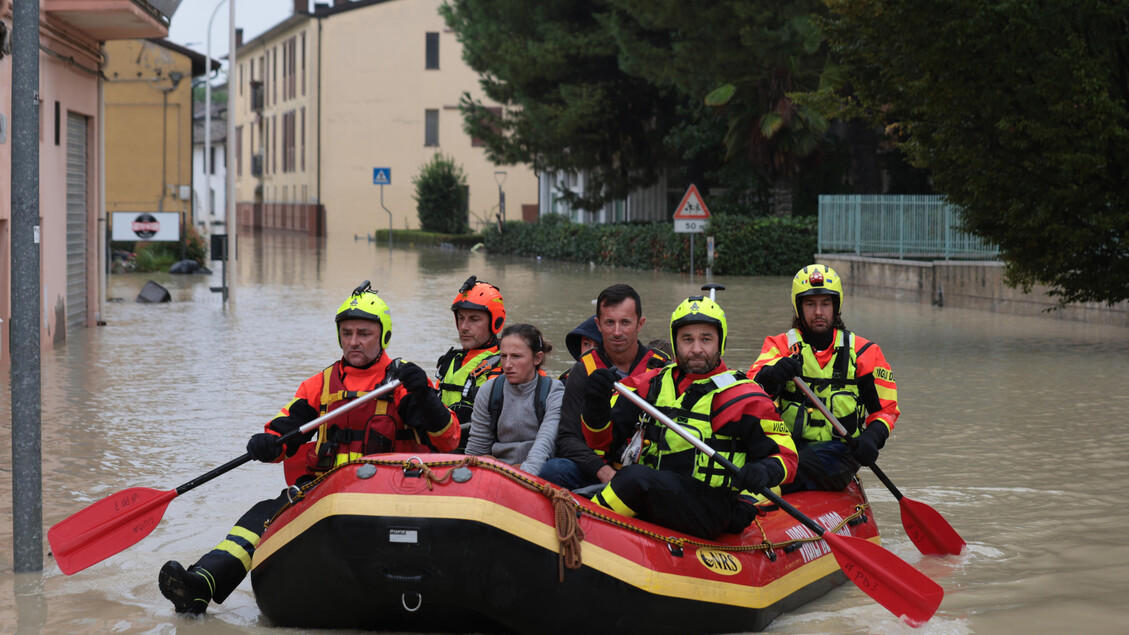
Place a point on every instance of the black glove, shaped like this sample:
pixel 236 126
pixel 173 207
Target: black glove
pixel 869 442
pixel 784 370
pixel 264 447
pixel 758 475
pixel 413 378
pixel 598 396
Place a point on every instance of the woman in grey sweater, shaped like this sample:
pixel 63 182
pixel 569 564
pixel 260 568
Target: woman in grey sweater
pixel 516 421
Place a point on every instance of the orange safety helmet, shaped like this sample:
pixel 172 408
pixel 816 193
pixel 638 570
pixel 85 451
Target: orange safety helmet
pixel 482 296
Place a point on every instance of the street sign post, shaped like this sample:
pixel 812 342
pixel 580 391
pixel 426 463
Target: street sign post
pixel 382 177
pixel 691 217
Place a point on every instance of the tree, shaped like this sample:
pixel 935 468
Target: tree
pixel 441 196
pixel 569 105
pixel 745 58
pixel 1021 112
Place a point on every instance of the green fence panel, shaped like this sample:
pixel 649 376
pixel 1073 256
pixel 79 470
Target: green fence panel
pixel 896 225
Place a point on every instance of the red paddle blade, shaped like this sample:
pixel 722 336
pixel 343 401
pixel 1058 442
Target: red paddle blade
pixel 928 529
pixel 107 527
pixel 889 580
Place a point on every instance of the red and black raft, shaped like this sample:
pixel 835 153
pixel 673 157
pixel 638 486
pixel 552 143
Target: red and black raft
pixel 448 543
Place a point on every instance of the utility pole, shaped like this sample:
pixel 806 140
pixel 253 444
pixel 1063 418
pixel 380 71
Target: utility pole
pixel 27 409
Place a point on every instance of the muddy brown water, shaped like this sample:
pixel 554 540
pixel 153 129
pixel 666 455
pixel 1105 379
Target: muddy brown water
pixel 1014 428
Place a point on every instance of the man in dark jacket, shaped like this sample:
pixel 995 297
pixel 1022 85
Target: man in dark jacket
pixel 619 317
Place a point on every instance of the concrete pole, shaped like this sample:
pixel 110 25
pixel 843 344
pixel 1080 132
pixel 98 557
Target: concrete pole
pixel 27 476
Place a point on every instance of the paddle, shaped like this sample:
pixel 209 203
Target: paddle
pixel 121 520
pixel 929 531
pixel 889 580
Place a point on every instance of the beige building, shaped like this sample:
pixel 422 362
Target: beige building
pixel 325 98
pixel 72 221
pixel 148 111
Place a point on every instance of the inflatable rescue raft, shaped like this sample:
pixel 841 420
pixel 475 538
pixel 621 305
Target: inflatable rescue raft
pixel 450 543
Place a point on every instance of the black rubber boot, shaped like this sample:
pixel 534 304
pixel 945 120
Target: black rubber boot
pixel 189 591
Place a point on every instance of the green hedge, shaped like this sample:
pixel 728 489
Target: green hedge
pixel 743 246
pixel 419 237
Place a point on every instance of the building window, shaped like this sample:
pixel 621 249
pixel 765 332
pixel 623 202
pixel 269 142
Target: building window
pixel 212 160
pixel 303 67
pixel 432 61
pixel 239 150
pixel 302 140
pixel 430 127
pixel 274 144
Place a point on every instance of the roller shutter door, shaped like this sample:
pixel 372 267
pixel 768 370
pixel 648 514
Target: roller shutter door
pixel 76 220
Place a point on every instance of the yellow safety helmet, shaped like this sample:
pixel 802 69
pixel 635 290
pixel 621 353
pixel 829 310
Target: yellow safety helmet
pixel 365 304
pixel 817 280
pixel 697 309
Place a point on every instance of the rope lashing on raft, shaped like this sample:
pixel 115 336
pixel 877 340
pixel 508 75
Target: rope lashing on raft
pixel 569 533
pixel 566 510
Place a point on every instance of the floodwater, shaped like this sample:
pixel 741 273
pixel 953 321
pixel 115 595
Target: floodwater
pixel 1013 428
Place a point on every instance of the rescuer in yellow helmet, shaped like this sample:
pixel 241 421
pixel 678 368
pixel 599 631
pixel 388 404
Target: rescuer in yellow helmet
pixel 409 419
pixel 847 372
pixel 666 480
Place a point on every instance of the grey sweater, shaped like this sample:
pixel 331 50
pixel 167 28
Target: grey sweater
pixel 518 438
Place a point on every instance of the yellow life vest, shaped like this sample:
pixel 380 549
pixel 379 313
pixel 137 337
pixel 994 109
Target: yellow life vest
pixel 459 382
pixel 693 411
pixel 835 384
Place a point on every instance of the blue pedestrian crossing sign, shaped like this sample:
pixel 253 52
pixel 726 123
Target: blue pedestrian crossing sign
pixel 382 176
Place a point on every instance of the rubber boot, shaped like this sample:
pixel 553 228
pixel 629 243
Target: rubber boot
pixel 189 591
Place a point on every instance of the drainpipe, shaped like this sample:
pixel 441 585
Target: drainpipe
pixel 321 202
pixel 103 244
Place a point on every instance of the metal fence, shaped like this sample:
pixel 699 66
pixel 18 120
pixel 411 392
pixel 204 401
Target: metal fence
pixel 901 226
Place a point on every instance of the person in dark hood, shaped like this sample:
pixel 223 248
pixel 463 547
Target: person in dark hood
pixel 580 340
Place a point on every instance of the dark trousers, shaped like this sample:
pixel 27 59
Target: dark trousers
pixel 680 502
pixel 826 465
pixel 229 562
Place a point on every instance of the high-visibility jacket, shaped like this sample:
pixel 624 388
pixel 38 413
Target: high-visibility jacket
pixel 461 373
pixel 851 377
pixel 377 426
pixel 729 413
pixel 600 438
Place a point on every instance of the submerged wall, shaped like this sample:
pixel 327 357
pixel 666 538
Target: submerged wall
pixel 962 284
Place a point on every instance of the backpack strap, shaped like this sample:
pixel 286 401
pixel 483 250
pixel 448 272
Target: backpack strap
pixel 544 384
pixel 540 398
pixel 496 399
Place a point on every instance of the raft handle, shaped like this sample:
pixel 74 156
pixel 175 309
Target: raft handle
pixel 404 602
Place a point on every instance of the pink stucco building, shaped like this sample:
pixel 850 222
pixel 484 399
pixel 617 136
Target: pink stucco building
pixel 72 226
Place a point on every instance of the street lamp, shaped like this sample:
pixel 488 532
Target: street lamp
pixel 500 178
pixel 208 167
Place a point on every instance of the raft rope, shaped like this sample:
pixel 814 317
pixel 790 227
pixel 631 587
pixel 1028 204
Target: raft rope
pixel 566 511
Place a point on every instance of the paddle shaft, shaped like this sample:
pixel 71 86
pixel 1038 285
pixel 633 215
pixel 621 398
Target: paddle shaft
pixel 927 528
pixel 851 441
pixel 306 428
pixel 710 452
pixel 886 578
pixel 120 520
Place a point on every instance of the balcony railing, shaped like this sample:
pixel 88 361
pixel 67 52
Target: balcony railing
pixel 901 226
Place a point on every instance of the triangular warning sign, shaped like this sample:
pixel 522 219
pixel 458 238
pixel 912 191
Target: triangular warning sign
pixel 692 206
